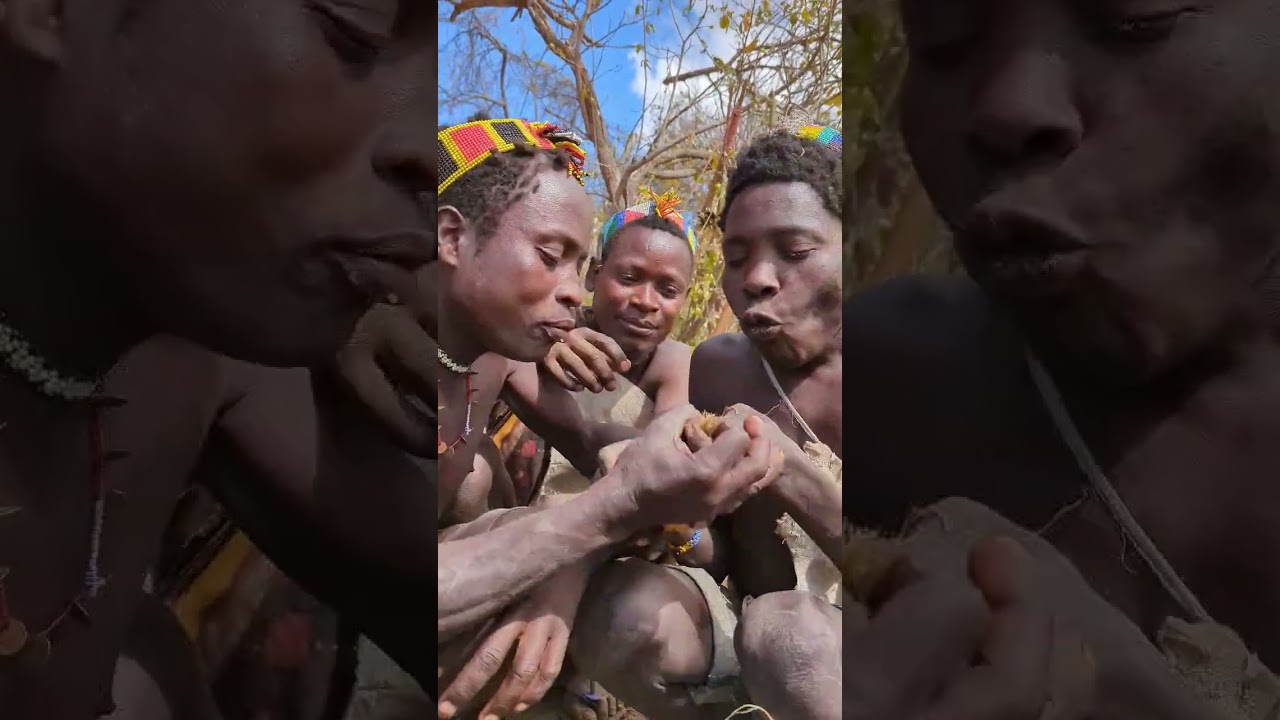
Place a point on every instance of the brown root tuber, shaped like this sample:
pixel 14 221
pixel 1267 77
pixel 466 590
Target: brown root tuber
pixel 868 558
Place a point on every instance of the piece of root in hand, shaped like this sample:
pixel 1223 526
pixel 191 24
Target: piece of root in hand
pixel 868 558
pixel 711 424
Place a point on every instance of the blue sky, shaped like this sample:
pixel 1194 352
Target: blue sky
pixel 615 70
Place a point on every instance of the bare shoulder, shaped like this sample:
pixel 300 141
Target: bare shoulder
pixel 170 370
pixel 730 352
pixel 671 357
pixel 715 368
pixel 916 323
pixel 937 396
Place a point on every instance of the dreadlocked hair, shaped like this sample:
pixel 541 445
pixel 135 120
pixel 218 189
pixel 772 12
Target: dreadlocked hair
pixel 783 158
pixel 654 222
pixel 485 192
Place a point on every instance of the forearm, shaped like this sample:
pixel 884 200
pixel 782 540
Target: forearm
pixel 479 575
pixel 599 437
pixel 811 496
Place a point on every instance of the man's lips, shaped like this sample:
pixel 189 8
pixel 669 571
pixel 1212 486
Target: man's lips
pixel 557 330
pixel 410 249
pixel 638 324
pixel 382 267
pixel 760 325
pixel 1021 253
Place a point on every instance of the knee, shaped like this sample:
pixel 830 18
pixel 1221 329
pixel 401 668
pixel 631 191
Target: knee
pixel 641 617
pixel 781 626
pixel 615 615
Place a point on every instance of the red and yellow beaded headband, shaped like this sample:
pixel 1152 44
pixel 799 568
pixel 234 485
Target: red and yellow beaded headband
pixel 463 147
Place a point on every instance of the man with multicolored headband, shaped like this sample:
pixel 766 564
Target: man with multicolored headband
pixel 514 224
pixel 782 247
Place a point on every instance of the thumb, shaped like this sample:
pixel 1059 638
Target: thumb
pixel 726 451
pixel 1002 570
pixel 670 424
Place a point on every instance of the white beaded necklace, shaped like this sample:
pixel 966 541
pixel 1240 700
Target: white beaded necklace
pixel 17 354
pixel 465 371
pixel 16 640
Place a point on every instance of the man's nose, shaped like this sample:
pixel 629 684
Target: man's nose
pixel 761 280
pixel 1025 112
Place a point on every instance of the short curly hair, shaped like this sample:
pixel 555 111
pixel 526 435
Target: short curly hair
pixel 783 158
pixel 486 191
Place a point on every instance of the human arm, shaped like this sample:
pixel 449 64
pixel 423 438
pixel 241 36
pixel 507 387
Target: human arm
pixel 389 364
pixel 320 488
pixel 551 412
pixel 331 499
pixel 667 377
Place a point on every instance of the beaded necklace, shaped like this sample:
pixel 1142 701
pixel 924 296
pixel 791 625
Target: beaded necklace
pixel 456 368
pixel 33 649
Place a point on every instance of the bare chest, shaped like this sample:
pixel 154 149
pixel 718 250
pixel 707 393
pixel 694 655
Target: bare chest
pixel 85 503
pixel 812 404
pixel 464 416
pixel 1206 502
pixel 1210 508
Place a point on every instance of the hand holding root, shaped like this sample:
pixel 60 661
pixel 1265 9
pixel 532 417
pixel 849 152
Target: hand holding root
pixel 938 647
pixel 690 466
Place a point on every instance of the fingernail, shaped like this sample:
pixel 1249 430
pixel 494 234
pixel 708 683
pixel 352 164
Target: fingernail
pixel 522 707
pixel 491 716
pixel 447 710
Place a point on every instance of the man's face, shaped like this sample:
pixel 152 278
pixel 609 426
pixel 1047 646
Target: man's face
pixel 1111 167
pixel 640 287
pixel 523 279
pixel 782 271
pixel 249 164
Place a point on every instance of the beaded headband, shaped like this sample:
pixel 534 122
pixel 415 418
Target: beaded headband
pixel 664 206
pixel 463 147
pixel 820 134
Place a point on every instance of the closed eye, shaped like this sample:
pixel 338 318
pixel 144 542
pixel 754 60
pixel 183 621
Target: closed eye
pixel 1142 29
pixel 355 45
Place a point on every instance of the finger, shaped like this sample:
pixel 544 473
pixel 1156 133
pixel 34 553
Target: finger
pixel 1003 570
pixel 550 669
pixel 553 368
pixel 760 466
pixel 911 647
pixel 1072 677
pixel 410 427
pixel 723 455
pixel 595 359
pixel 483 666
pixel 412 351
pixel 525 669
pixel 384 281
pixel 617 358
pixel 578 367
pixel 1014 682
pixel 670 424
pixel 1057 682
pixel 695 437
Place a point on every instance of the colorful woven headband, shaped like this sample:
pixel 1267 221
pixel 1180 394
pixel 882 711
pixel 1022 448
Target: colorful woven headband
pixel 820 134
pixel 664 206
pixel 463 147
